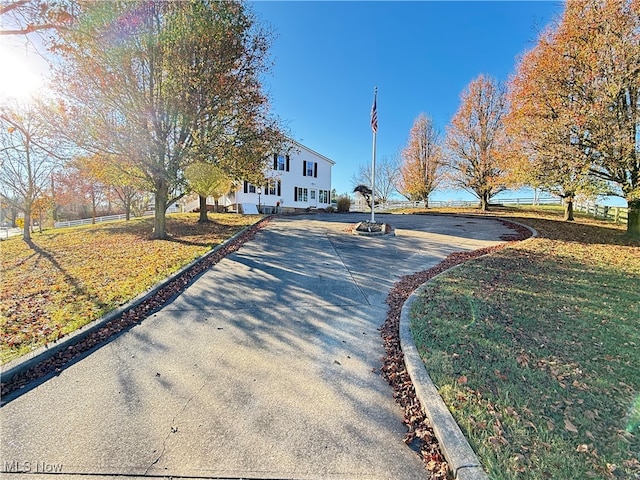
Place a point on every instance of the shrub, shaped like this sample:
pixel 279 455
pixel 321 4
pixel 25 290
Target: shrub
pixel 344 203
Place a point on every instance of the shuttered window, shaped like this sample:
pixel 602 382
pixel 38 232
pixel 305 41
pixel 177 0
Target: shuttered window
pixel 272 187
pixel 309 169
pixel 281 162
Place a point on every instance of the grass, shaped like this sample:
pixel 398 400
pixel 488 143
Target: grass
pixel 536 350
pixel 66 278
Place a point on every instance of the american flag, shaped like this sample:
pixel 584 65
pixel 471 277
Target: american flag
pixel 374 113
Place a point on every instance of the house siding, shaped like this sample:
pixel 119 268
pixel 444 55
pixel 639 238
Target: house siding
pixel 308 172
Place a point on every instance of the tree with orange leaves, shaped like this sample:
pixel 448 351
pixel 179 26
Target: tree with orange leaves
pixel 475 139
pixel 21 17
pixel 421 169
pixel 606 34
pixel 576 104
pixel 545 148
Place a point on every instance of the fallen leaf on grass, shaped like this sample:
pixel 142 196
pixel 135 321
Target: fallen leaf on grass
pixel 500 375
pixel 498 441
pixel 570 426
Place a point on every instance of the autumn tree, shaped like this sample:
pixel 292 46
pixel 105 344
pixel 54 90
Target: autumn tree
pixel 386 177
pixel 577 102
pixel 119 177
pixel 207 179
pixel 422 159
pixel 159 82
pixel 78 193
pixel 474 139
pixel 605 36
pixel 28 157
pixel 545 148
pixel 21 17
pixel 41 207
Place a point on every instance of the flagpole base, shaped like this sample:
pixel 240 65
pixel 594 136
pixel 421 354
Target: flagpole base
pixel 370 229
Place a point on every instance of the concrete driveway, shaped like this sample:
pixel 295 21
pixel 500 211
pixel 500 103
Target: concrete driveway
pixel 265 367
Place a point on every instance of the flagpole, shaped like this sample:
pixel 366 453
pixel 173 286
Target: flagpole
pixel 374 127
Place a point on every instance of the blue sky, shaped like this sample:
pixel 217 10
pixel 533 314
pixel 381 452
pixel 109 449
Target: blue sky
pixel 329 56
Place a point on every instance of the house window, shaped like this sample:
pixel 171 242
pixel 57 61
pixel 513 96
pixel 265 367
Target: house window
pixel 300 194
pixel 313 194
pixel 309 169
pixel 323 196
pixel 272 187
pixel 281 162
pixel 249 187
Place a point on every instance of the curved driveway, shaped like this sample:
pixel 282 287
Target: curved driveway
pixel 265 367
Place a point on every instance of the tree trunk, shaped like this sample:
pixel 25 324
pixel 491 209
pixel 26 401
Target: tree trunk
pixel 568 209
pixel 109 206
pixel 93 206
pixel 633 218
pixel 204 218
pixel 127 210
pixel 484 202
pixel 26 229
pixel 426 202
pixel 14 216
pixel 160 218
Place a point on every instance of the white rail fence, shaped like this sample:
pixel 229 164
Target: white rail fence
pixel 396 204
pixel 89 221
pixel 614 214
pixel 619 215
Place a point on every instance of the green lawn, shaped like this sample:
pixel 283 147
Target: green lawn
pixel 536 351
pixel 69 277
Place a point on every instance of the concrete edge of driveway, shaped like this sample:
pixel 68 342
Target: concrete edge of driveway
pixel 28 360
pixel 463 461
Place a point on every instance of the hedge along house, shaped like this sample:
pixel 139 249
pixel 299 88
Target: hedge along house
pixel 298 181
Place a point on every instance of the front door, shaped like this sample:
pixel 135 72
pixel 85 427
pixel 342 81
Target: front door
pixel 313 198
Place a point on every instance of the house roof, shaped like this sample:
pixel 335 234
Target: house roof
pixel 313 152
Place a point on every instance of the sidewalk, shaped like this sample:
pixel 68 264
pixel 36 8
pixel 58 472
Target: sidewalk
pixel 266 367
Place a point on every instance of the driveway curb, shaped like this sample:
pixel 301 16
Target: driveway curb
pixel 18 366
pixel 462 460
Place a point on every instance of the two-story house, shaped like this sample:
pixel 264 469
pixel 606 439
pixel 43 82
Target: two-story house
pixel 296 181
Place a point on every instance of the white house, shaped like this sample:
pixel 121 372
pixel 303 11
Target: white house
pixel 297 181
